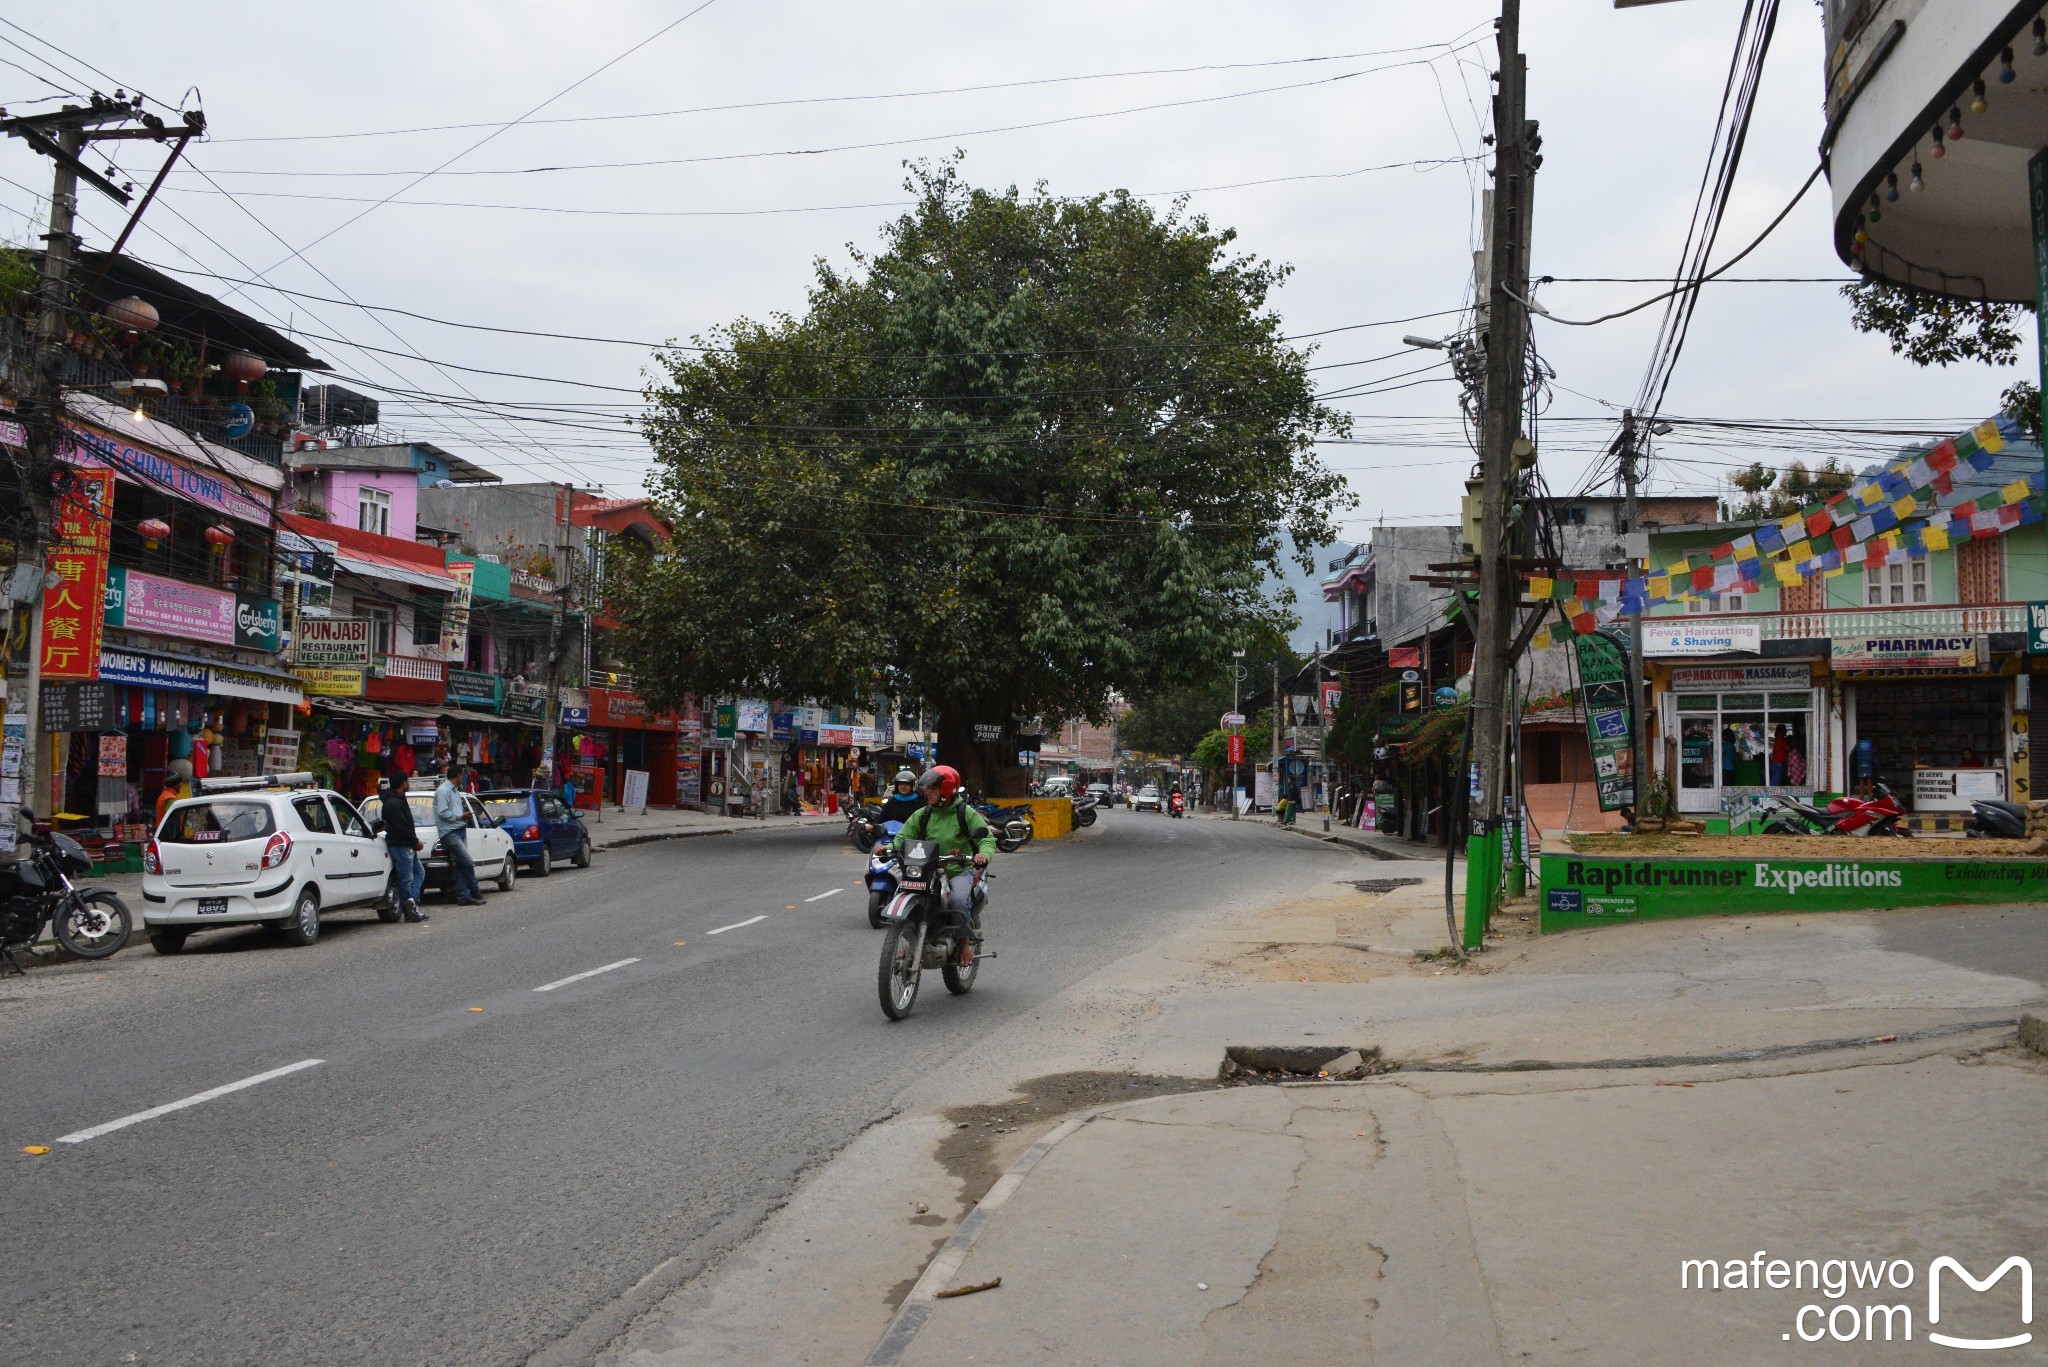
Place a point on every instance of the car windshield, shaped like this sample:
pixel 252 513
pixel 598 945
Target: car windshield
pixel 507 804
pixel 1148 791
pixel 210 822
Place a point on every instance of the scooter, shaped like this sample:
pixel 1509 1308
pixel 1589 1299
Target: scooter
pixel 882 875
pixel 1176 805
pixel 1992 820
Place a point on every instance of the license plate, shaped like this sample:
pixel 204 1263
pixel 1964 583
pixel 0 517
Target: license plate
pixel 213 906
pixel 909 886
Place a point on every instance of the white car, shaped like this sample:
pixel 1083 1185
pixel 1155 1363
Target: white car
pixel 273 851
pixel 1148 799
pixel 490 846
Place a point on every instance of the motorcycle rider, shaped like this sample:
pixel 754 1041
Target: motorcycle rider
pixel 947 819
pixel 903 801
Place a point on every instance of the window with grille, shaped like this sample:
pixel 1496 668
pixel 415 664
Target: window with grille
pixel 1895 585
pixel 1715 602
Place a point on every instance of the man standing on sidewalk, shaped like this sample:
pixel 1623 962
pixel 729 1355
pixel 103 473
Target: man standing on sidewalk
pixel 403 840
pixel 451 823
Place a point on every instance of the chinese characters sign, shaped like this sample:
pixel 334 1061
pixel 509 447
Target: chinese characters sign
pixel 77 562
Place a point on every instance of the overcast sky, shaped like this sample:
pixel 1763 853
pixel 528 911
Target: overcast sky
pixel 732 221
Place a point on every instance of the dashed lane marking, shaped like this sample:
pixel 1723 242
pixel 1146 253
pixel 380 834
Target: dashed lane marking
pixel 737 924
pixel 829 892
pixel 586 973
pixel 212 1093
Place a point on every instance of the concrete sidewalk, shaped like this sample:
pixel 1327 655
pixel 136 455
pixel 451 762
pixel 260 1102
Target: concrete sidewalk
pixel 1468 1218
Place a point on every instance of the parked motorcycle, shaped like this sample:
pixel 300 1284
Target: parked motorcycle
pixel 1084 811
pixel 1992 820
pixel 1176 805
pixel 37 891
pixel 862 824
pixel 924 934
pixel 1012 825
pixel 882 875
pixel 1877 814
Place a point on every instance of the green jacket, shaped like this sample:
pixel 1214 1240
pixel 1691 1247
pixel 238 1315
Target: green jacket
pixel 957 828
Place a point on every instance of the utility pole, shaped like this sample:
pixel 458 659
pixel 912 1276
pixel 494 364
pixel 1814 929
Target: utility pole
pixel 1237 673
pixel 1276 737
pixel 1630 457
pixel 565 496
pixel 1506 339
pixel 62 136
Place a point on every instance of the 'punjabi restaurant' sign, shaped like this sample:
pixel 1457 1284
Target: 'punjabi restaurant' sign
pixel 1581 891
pixel 333 642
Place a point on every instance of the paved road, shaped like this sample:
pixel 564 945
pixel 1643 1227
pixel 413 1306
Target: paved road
pixel 2009 939
pixel 455 1184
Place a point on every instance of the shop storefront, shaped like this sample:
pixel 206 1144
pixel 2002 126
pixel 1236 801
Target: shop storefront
pixel 1926 716
pixel 625 736
pixel 1744 732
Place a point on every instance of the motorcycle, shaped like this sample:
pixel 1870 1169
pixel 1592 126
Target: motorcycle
pixel 37 891
pixel 882 875
pixel 1176 805
pixel 1084 812
pixel 1992 820
pixel 1012 825
pixel 924 934
pixel 861 824
pixel 1878 814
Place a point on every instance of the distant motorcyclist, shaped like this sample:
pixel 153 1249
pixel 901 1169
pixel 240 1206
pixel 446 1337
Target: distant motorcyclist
pixel 958 829
pixel 904 800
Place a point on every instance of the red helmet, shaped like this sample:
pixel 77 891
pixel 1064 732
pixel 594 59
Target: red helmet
pixel 943 777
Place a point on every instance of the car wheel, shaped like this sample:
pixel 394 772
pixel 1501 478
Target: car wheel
pixel 168 940
pixel 582 857
pixel 509 874
pixel 390 906
pixel 544 865
pixel 302 927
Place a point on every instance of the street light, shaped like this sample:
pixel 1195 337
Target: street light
pixel 1427 344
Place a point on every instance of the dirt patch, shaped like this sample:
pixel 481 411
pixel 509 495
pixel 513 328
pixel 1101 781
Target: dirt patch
pixel 1308 963
pixel 987 1139
pixel 1795 847
pixel 1374 887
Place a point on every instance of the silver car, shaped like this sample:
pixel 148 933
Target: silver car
pixel 1148 799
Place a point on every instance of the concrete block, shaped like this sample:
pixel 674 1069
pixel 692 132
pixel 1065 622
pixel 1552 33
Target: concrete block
pixel 2034 1033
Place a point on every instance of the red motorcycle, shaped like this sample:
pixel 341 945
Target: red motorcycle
pixel 1878 814
pixel 1175 805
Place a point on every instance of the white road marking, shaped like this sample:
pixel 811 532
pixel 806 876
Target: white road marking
pixel 737 924
pixel 834 892
pixel 586 973
pixel 210 1094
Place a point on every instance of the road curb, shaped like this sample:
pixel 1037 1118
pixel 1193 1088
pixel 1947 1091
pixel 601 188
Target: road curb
pixel 1352 842
pixel 917 1306
pixel 654 837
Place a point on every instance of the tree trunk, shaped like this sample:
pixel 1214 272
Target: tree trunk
pixel 989 770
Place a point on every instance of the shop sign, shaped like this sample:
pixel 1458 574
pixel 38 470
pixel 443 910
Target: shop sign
pixel 812 718
pixel 426 733
pixel 781 726
pixel 1601 891
pixel 208 489
pixel 1333 696
pixel 1691 637
pixel 113 754
pixel 752 715
pixel 576 716
pixel 1233 748
pixel 1604 690
pixel 988 732
pixel 331 683
pixel 885 729
pixel 455 617
pixel 76 707
pixel 242 683
pixel 725 721
pixel 468 685
pixel 77 565
pixel 530 703
pixel 864 736
pixel 1705 680
pixel 1954 790
pixel 2037 628
pixel 150 671
pixel 1404 657
pixel 193 612
pixel 1909 652
pixel 333 642
pixel 807 735
pixel 835 735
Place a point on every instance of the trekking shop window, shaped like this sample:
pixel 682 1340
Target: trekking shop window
pixel 1744 740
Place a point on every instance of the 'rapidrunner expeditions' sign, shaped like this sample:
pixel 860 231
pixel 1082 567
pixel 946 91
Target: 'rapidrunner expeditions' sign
pixel 1595 890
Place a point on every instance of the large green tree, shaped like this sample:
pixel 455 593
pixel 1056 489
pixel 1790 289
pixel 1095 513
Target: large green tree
pixel 1029 452
pixel 1173 720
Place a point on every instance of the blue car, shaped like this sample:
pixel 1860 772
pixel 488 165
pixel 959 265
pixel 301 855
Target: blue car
pixel 544 830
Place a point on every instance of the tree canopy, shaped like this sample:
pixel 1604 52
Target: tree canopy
pixel 1029 452
pixel 1776 493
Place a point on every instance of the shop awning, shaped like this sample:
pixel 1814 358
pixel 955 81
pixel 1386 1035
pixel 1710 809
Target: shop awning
pixel 394 574
pixel 377 711
pixel 388 558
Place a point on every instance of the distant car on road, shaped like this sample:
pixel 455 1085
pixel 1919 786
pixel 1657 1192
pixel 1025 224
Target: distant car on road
pixel 1148 799
pixel 1103 794
pixel 542 827
pixel 255 851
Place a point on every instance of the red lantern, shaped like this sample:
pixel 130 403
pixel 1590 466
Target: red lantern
pixel 220 534
pixel 243 366
pixel 153 530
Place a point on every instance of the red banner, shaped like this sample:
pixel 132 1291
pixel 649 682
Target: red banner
pixel 1233 752
pixel 74 601
pixel 1405 657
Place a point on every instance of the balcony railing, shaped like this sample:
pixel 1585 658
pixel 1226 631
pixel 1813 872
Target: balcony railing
pixel 1968 619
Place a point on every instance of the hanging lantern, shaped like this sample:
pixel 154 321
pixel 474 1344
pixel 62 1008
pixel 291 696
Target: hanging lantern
pixel 153 530
pixel 132 314
pixel 243 366
pixel 221 534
